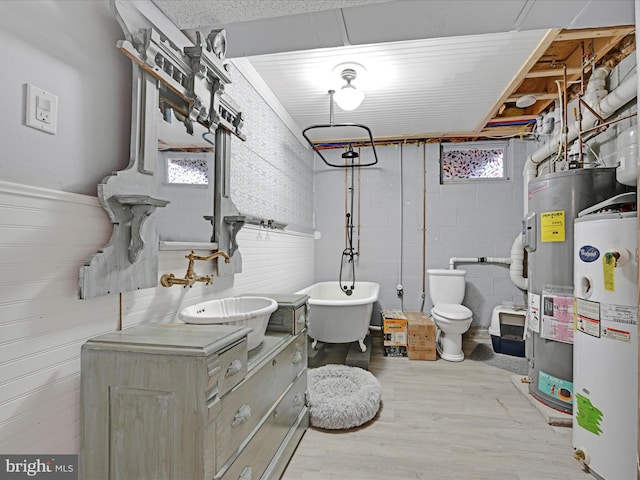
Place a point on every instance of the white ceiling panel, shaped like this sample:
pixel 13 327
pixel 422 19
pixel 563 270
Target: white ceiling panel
pixel 412 88
pixel 577 14
pixel 187 14
pixel 412 19
pixel 272 35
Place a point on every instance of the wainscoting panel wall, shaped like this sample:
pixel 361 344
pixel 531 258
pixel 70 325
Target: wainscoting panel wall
pixel 45 237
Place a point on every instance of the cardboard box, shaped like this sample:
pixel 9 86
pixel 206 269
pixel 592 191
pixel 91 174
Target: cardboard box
pixel 421 336
pixel 394 333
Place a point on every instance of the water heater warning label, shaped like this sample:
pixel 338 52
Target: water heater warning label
pixel 620 313
pixel 587 317
pixel 616 334
pixel 557 322
pixel 552 226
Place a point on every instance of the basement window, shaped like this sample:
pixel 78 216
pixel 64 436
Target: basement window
pixel 187 171
pixel 474 161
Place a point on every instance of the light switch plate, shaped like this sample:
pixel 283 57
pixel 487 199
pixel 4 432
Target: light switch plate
pixel 41 110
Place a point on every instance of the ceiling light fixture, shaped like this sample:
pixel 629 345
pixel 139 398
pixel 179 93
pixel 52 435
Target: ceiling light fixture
pixel 526 101
pixel 349 97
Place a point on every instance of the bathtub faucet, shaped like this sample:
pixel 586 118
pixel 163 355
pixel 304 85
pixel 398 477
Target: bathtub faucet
pixel 350 252
pixel 190 278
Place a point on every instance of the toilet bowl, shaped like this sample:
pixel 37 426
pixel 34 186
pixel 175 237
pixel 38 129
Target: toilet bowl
pixel 452 319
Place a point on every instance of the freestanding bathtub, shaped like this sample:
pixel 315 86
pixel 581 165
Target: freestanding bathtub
pixel 337 318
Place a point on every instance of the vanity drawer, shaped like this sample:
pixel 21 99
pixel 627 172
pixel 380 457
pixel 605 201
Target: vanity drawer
pixel 291 315
pixel 233 367
pixel 288 318
pixel 300 319
pixel 257 454
pixel 246 405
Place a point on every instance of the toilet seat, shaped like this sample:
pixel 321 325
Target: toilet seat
pixel 451 311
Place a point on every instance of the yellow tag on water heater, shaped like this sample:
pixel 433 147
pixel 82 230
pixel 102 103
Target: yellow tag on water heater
pixel 608 272
pixel 552 226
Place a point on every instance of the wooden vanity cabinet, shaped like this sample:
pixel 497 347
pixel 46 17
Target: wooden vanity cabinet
pixel 182 402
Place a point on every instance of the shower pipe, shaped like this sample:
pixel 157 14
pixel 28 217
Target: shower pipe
pixel 424 225
pixel 359 173
pixel 349 251
pixel 400 288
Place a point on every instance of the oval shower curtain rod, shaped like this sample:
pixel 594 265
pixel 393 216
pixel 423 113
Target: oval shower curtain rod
pixel 318 150
pixel 331 124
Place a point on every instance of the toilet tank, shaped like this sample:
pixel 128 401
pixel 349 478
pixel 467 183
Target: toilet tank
pixel 446 286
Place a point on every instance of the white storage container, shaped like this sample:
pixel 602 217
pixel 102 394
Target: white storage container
pixel 507 330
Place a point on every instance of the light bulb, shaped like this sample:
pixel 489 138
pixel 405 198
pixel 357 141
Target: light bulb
pixel 349 97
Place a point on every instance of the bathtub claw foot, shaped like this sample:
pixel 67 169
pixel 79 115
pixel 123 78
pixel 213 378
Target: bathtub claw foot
pixel 363 347
pixel 314 344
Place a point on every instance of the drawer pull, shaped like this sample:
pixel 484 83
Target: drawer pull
pixel 246 473
pixel 297 357
pixel 297 400
pixel 242 415
pixel 233 368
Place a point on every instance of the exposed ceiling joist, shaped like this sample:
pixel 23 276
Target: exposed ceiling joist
pixel 589 33
pixel 535 56
pixel 552 72
pixel 569 57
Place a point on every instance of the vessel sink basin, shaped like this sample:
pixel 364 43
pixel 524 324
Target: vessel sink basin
pixel 252 312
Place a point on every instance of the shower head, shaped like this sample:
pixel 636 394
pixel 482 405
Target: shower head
pixel 350 153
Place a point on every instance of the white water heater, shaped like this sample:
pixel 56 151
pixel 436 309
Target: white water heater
pixel 605 344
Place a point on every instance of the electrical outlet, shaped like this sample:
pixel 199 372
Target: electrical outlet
pixel 41 110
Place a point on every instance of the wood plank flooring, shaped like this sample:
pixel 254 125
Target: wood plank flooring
pixel 441 420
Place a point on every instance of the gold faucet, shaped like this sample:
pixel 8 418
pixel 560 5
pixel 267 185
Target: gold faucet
pixel 169 279
pixel 193 256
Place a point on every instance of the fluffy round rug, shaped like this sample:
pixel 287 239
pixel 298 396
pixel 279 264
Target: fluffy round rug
pixel 342 397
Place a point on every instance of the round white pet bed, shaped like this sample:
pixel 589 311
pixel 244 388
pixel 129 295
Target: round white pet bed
pixel 342 397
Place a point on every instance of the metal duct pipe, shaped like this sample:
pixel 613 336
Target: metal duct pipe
pixel 596 98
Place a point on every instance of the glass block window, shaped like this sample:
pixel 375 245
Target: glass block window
pixel 472 161
pixel 187 171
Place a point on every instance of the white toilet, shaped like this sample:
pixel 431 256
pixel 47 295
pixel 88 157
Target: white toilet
pixel 452 319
